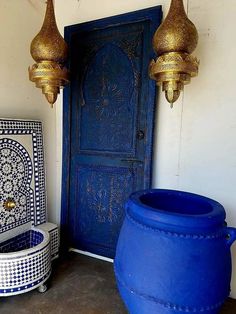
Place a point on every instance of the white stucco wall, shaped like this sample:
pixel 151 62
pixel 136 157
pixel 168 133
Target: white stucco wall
pixel 195 143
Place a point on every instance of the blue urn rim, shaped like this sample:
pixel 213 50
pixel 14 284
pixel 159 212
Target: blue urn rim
pixel 186 211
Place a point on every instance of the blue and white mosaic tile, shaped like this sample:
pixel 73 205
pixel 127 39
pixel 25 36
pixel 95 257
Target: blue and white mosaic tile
pixel 53 231
pixel 22 175
pixel 27 267
pixel 23 241
pixel 25 251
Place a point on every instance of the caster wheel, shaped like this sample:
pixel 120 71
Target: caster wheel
pixel 43 288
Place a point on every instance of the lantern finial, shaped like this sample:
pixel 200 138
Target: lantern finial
pixel 174 41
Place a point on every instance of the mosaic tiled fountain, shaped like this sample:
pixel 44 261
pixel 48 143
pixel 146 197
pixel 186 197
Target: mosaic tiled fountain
pixel 28 243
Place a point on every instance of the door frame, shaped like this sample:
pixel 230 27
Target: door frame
pixel 153 15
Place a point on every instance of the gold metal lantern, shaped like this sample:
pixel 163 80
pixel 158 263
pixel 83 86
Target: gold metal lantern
pixel 174 42
pixel 50 52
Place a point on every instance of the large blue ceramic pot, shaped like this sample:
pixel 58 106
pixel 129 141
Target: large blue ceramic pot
pixel 173 254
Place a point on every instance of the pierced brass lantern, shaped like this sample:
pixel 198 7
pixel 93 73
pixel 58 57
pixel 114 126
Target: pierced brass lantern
pixel 50 52
pixel 174 42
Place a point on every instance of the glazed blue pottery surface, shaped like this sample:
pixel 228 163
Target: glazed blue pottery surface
pixel 173 254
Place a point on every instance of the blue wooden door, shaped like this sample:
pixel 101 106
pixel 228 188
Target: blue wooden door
pixel 108 126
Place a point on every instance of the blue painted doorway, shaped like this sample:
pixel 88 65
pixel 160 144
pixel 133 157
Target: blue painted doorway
pixel 108 126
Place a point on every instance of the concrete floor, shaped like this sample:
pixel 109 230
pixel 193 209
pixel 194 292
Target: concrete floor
pixel 79 285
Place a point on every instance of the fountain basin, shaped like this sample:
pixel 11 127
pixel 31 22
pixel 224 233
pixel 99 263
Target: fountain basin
pixel 25 262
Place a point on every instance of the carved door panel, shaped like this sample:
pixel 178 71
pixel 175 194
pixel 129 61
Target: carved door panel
pixel 109 112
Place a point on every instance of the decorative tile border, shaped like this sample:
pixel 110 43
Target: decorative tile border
pixel 53 231
pixel 25 288
pixel 54 240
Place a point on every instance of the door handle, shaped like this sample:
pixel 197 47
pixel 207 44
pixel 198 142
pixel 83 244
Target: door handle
pixel 132 160
pixel 140 135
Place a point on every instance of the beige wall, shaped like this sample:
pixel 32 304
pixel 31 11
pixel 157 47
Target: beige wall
pixel 195 143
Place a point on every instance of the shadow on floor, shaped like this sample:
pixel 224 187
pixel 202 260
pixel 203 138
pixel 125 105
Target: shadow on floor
pixel 79 285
